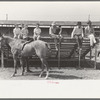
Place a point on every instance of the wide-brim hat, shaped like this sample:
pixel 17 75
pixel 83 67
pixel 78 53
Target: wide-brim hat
pixel 79 23
pixel 53 23
pixel 17 24
pixel 37 24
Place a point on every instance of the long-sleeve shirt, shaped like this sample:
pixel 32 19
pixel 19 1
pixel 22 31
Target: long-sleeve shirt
pixel 77 31
pixel 16 32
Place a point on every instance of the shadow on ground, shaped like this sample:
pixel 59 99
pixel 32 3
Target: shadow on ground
pixel 53 75
pixel 64 76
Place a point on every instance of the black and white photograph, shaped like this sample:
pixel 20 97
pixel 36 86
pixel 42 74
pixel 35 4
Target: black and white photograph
pixel 49 40
pixel 52 44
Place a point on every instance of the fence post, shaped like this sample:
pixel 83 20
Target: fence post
pixel 79 64
pixel 59 53
pixel 2 59
pixel 95 57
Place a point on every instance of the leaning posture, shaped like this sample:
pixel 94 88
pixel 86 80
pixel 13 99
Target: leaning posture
pixel 89 32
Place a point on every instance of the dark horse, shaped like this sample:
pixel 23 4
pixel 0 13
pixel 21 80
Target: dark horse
pixel 41 48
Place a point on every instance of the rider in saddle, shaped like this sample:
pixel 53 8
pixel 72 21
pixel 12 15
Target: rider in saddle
pixel 89 32
pixel 25 32
pixel 16 31
pixel 55 33
pixel 77 33
pixel 37 32
pixel 25 36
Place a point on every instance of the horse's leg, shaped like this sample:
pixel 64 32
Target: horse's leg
pixel 27 64
pixel 42 68
pixel 44 64
pixel 22 65
pixel 15 66
pixel 47 68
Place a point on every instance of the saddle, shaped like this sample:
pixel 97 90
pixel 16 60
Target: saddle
pixel 27 42
pixel 19 46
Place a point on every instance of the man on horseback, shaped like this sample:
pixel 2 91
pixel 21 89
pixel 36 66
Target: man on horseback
pixel 25 36
pixel 25 32
pixel 37 32
pixel 89 32
pixel 77 33
pixel 16 31
pixel 55 33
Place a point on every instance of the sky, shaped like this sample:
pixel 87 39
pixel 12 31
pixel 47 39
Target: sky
pixel 50 11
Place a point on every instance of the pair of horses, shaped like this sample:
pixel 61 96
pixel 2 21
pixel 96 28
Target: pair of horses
pixel 20 48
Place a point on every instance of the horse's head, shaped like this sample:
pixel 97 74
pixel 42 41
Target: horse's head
pixel 3 39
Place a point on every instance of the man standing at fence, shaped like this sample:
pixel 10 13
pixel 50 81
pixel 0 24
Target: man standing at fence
pixel 55 33
pixel 77 33
pixel 16 31
pixel 89 32
pixel 37 32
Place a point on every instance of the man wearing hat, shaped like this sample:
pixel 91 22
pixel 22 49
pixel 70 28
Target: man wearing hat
pixel 77 33
pixel 55 33
pixel 16 31
pixel 89 32
pixel 37 32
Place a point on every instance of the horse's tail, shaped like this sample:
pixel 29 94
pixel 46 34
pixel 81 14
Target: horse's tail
pixel 48 46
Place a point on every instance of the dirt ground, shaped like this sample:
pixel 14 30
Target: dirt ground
pixel 65 73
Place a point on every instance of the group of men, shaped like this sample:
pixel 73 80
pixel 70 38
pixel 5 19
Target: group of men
pixel 78 34
pixel 55 33
pixel 23 33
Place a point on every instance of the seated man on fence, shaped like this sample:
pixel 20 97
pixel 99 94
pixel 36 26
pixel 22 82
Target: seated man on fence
pixel 89 32
pixel 55 33
pixel 37 32
pixel 16 31
pixel 77 33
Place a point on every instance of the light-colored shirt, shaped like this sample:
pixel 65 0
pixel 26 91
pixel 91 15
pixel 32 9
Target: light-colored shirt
pixel 16 32
pixel 89 30
pixel 37 31
pixel 52 30
pixel 77 31
pixel 24 33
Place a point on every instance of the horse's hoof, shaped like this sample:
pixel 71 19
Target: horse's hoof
pixel 13 75
pixel 22 74
pixel 29 71
pixel 39 76
pixel 79 68
pixel 46 78
pixel 59 68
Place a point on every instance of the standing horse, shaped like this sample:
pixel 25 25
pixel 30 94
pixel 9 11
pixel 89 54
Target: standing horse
pixel 41 49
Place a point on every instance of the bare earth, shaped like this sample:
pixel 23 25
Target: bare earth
pixel 55 74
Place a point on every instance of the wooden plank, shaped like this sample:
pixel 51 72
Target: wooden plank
pixel 72 51
pixel 63 23
pixel 2 59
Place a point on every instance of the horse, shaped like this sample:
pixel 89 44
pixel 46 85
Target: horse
pixel 20 48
